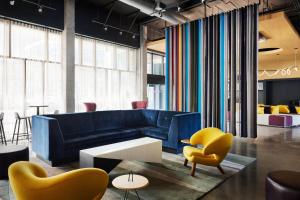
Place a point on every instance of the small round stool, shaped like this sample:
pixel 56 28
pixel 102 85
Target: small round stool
pixel 283 185
pixel 130 182
pixel 11 154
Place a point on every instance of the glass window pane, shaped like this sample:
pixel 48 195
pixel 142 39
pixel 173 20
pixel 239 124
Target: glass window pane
pixel 149 63
pixel 53 88
pixel 101 89
pixel 88 52
pixel 104 55
pixel 150 95
pixel 34 85
pixel 77 51
pixel 14 91
pixel 113 89
pixel 158 66
pixel 122 58
pixel 127 93
pixel 28 42
pixel 4 37
pixel 84 86
pixel 54 51
pixel 132 59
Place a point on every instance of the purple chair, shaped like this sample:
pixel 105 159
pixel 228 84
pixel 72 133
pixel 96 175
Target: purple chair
pixel 90 106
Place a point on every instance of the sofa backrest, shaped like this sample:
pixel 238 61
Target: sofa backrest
pixel 150 117
pixel 75 122
pixel 133 118
pixel 165 117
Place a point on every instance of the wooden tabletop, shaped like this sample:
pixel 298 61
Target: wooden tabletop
pixel 123 183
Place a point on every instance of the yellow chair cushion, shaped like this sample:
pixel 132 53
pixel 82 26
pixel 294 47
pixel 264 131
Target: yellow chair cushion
pixel 29 181
pixel 260 110
pixel 216 144
pixel 297 109
pixel 284 109
pixel 274 109
pixel 260 105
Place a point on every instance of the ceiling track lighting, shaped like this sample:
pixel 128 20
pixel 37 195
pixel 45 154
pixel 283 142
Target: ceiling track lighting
pixel 12 2
pixel 41 7
pixel 120 30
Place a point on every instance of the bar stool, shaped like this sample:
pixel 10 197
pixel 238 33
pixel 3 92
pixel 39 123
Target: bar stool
pixel 2 133
pixel 24 135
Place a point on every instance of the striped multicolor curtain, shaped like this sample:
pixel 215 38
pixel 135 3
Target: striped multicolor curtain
pixel 211 67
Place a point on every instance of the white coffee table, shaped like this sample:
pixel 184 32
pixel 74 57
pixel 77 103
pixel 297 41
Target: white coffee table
pixel 107 157
pixel 130 182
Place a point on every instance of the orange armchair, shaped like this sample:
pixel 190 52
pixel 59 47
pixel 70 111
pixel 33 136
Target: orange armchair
pixel 215 146
pixel 29 181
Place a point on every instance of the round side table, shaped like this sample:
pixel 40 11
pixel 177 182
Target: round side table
pixel 130 182
pixel 11 154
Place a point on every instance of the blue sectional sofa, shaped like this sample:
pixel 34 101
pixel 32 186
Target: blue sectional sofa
pixel 58 138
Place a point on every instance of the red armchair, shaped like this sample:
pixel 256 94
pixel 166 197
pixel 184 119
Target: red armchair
pixel 139 104
pixel 90 106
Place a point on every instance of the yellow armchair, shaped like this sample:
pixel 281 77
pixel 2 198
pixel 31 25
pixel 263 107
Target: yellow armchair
pixel 215 146
pixel 29 181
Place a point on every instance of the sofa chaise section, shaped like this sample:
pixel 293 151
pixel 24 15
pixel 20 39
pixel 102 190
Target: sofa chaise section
pixel 59 138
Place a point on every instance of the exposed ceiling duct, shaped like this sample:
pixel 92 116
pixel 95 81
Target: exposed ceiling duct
pixel 148 8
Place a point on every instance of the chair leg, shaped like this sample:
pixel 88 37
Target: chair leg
pixel 12 141
pixel 1 135
pixel 193 169
pixel 185 162
pixel 29 124
pixel 2 128
pixel 27 132
pixel 220 169
pixel 18 133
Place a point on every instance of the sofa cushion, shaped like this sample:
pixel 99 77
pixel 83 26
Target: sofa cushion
pixel 165 117
pixel 159 133
pixel 102 135
pixel 75 122
pixel 150 117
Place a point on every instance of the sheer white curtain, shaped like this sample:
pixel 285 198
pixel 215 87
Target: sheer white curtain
pixel 30 70
pixel 106 74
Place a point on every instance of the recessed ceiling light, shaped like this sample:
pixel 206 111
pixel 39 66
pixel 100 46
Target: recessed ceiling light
pixel 133 36
pixel 12 2
pixel 121 33
pixel 105 28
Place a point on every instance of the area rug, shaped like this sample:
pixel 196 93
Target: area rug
pixel 168 180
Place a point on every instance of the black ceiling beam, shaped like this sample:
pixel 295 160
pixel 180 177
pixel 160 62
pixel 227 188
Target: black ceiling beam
pixel 109 3
pixel 132 13
pixel 110 11
pixel 133 21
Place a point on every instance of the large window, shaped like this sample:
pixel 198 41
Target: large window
pixel 106 74
pixel 30 70
pixel 155 87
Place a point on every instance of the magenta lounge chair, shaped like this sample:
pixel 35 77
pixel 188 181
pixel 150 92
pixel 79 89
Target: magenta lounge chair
pixel 139 104
pixel 90 106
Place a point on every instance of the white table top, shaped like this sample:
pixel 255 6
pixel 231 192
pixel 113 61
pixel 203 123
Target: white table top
pixel 106 149
pixel 123 183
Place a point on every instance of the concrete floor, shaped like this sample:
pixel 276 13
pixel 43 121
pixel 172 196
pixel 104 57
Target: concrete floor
pixel 275 149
